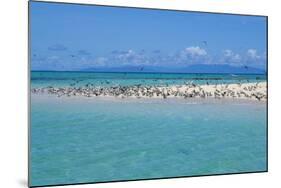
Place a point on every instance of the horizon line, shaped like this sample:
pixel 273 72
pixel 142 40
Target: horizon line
pixel 143 72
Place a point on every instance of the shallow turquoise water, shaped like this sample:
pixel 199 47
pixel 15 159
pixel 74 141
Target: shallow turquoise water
pixel 80 79
pixel 78 140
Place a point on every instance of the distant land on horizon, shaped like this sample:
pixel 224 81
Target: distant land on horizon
pixel 198 68
pixel 192 69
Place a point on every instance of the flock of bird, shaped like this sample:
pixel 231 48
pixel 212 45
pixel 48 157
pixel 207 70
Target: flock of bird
pixel 188 90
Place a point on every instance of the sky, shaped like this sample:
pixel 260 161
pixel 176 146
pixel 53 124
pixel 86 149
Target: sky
pixel 78 37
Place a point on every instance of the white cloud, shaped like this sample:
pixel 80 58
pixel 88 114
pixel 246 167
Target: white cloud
pixel 195 51
pixel 100 61
pixel 130 57
pixel 230 57
pixel 250 58
pixel 126 55
pixel 186 56
pixel 190 55
pixel 252 53
pixel 256 59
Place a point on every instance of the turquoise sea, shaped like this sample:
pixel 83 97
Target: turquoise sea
pixel 80 140
pixel 80 79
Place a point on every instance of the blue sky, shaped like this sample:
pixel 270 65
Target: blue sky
pixel 77 37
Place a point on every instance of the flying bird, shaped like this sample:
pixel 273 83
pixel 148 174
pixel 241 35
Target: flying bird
pixel 204 42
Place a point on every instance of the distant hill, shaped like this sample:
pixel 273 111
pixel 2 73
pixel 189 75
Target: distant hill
pixel 223 68
pixel 195 68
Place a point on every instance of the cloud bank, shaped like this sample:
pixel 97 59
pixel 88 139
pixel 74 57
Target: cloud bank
pixel 117 58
